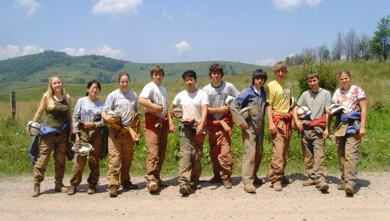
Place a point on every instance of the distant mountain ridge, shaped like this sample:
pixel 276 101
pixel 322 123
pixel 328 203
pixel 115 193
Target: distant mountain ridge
pixel 80 69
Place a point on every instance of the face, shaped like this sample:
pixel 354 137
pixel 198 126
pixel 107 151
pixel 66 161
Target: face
pixel 93 91
pixel 216 76
pixel 124 82
pixel 345 80
pixel 281 73
pixel 157 77
pixel 313 83
pixel 189 82
pixel 258 82
pixel 56 85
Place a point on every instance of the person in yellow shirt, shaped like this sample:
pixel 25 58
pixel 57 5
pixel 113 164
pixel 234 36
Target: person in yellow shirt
pixel 279 118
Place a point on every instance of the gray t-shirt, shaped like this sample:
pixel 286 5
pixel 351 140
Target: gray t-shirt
pixel 125 104
pixel 316 102
pixel 217 96
pixel 87 111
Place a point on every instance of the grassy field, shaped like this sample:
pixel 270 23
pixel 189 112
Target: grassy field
pixel 373 77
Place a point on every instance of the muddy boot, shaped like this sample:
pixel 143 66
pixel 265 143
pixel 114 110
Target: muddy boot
pixel 277 186
pixel 72 190
pixel 184 190
pixel 36 190
pixel 227 184
pixel 91 189
pixel 59 187
pixel 249 188
pixel 152 186
pixel 113 191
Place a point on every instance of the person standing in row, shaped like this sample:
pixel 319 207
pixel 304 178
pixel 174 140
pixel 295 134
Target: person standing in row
pixel 253 97
pixel 279 118
pixel 54 133
pixel 154 98
pixel 120 112
pixel 314 131
pixel 87 128
pixel 219 125
pixel 351 128
pixel 193 102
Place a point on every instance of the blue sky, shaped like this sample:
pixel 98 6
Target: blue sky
pixel 250 31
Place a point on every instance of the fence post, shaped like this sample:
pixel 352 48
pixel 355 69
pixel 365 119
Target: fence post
pixel 13 104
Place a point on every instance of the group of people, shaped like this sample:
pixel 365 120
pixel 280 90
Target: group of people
pixel 210 112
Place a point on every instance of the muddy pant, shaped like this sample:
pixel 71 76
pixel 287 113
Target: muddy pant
pixel 94 157
pixel 279 154
pixel 120 155
pixel 348 151
pixel 313 149
pixel 156 143
pixel 190 167
pixel 47 143
pixel 220 152
pixel 253 143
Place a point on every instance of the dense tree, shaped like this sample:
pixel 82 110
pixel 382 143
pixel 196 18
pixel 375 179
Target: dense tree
pixel 380 44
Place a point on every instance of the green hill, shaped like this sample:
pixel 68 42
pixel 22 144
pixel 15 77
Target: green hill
pixel 33 70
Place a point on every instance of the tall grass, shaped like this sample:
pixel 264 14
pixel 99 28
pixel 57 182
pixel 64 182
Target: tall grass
pixel 373 77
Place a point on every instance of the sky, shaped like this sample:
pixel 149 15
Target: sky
pixel 158 31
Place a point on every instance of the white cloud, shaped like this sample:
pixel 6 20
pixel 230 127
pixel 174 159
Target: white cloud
pixel 267 62
pixel 167 16
pixel 31 6
pixel 104 51
pixel 117 7
pixel 290 5
pixel 182 46
pixel 291 55
pixel 11 51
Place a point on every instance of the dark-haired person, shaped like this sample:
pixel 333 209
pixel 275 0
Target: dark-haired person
pixel 279 119
pixel 87 127
pixel 54 133
pixel 253 97
pixel 154 98
pixel 219 125
pixel 314 131
pixel 351 128
pixel 193 102
pixel 120 112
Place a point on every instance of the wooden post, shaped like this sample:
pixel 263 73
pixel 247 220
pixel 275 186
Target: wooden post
pixel 13 104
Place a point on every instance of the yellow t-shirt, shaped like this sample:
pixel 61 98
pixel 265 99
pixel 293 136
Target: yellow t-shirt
pixel 278 97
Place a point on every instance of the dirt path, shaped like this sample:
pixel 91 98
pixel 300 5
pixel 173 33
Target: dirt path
pixel 371 202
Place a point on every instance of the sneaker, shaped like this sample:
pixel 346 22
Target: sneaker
pixel 128 185
pixel 113 191
pixel 309 182
pixel 152 186
pixel 249 188
pixel 277 186
pixel 91 189
pixel 348 188
pixel 215 179
pixel 59 187
pixel 184 190
pixel 72 190
pixel 341 186
pixel 227 184
pixel 36 190
pixel 322 186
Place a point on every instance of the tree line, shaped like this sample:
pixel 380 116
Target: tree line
pixel 350 47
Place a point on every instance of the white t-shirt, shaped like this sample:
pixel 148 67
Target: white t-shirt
pixel 157 95
pixel 191 103
pixel 350 99
pixel 125 104
pixel 217 96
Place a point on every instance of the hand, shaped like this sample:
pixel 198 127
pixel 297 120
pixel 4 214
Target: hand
pixel 172 128
pixel 77 138
pixel 199 128
pixel 111 120
pixel 89 125
pixel 244 125
pixel 362 131
pixel 325 135
pixel 299 126
pixel 158 109
pixel 273 129
pixel 224 109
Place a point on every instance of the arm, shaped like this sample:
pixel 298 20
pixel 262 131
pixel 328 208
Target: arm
pixel 272 126
pixel 42 106
pixel 363 107
pixel 217 110
pixel 326 131
pixel 172 128
pixel 297 122
pixel 154 107
pixel 203 119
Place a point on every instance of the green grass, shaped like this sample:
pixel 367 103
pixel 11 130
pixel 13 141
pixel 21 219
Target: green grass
pixel 374 77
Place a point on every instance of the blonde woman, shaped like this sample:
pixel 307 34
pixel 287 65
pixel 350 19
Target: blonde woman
pixel 53 133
